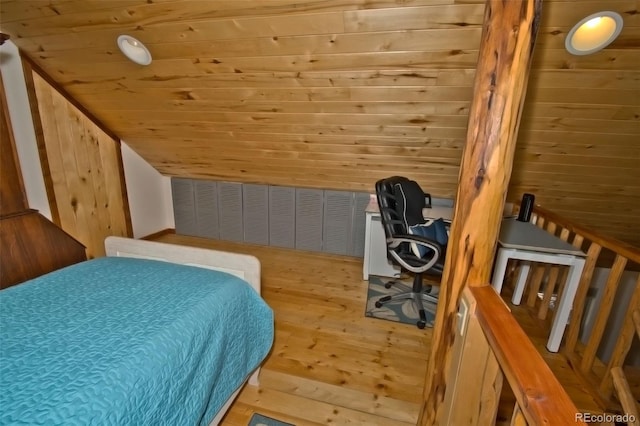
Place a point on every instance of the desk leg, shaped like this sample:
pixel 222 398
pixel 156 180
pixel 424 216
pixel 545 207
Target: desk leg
pixel 521 282
pixel 367 247
pixel 565 304
pixel 500 269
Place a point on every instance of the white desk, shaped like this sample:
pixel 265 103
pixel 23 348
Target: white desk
pixel 375 244
pixel 525 241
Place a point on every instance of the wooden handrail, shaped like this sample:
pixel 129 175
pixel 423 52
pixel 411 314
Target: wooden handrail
pixel 541 398
pixel 627 250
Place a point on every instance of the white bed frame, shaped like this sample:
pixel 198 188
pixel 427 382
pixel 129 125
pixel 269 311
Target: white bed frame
pixel 241 265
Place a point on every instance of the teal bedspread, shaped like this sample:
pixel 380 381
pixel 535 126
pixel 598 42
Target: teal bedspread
pixel 127 342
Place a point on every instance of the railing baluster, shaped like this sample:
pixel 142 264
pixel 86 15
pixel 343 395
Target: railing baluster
pixel 577 242
pixel 552 279
pixel 623 343
pixel 534 217
pixel 625 396
pixel 603 313
pixel 536 281
pixel 517 418
pixel 564 272
pixel 580 299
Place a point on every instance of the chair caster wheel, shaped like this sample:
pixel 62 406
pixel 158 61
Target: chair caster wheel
pixel 421 324
pixel 378 305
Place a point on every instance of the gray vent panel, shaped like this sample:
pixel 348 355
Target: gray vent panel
pixel 184 206
pixel 255 213
pixel 309 219
pixel 358 224
pixel 230 211
pixel 206 197
pixel 337 221
pixel 306 219
pixel 282 216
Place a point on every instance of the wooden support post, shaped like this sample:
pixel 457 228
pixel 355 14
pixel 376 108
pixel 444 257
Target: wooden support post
pixel 500 85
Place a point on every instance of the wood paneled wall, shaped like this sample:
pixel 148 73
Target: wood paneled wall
pixel 336 94
pixel 83 170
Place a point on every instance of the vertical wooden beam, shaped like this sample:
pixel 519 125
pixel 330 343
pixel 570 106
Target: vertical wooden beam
pixel 500 85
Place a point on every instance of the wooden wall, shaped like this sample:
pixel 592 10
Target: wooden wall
pixel 30 245
pixel 82 169
pixel 336 94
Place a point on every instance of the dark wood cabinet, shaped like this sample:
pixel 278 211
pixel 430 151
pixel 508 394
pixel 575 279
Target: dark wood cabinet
pixel 32 246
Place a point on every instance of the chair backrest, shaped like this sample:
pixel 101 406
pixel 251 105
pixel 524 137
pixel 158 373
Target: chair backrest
pixel 400 201
pixel 410 202
pixel 391 220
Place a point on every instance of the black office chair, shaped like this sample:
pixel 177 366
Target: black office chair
pixel 401 202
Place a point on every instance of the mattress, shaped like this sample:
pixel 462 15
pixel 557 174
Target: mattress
pixel 127 342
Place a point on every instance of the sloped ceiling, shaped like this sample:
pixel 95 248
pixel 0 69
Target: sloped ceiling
pixel 336 94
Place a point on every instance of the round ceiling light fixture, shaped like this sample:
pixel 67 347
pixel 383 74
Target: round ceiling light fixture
pixel 593 33
pixel 133 49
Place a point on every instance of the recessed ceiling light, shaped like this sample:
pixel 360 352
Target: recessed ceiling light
pixel 593 33
pixel 134 49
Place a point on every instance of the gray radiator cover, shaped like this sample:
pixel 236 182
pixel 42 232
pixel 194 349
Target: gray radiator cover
pixel 206 204
pixel 184 208
pixel 230 211
pixel 307 219
pixel 282 216
pixel 255 213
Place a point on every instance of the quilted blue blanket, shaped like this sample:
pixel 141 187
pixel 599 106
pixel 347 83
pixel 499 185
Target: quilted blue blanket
pixel 127 342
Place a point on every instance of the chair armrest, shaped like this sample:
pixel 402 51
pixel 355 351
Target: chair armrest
pixel 429 261
pixel 417 239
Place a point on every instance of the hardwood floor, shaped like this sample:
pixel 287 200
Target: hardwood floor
pixel 329 363
pixel 332 365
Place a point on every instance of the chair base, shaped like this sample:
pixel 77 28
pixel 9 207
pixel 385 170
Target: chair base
pixel 422 300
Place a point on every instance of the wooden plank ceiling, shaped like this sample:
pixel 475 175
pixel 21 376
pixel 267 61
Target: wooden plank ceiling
pixel 336 94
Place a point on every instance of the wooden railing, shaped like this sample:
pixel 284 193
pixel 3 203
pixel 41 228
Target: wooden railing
pixel 604 252
pixel 490 347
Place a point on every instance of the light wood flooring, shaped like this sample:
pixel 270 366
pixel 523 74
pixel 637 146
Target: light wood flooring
pixel 329 363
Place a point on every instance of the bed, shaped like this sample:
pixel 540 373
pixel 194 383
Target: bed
pixel 153 333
